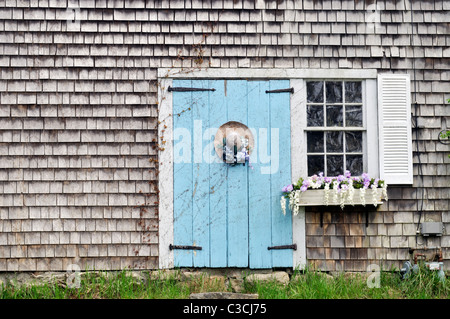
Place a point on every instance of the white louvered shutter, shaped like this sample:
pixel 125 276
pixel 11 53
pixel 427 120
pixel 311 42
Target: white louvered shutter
pixel 395 142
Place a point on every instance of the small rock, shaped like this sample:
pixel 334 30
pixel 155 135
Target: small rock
pixel 189 275
pixel 277 276
pixel 139 277
pixel 50 277
pixel 21 279
pixel 357 275
pixel 234 273
pixel 165 274
pixel 215 280
pixel 236 284
pixel 222 295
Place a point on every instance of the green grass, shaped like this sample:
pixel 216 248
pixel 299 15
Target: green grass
pixel 304 285
pixel 120 285
pixel 315 285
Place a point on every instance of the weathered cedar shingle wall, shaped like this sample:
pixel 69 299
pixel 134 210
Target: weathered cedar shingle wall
pixel 78 116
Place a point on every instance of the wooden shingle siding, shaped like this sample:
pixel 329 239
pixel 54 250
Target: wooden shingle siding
pixel 79 108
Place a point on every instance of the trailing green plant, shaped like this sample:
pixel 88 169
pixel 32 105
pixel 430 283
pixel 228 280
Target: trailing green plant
pixel 445 134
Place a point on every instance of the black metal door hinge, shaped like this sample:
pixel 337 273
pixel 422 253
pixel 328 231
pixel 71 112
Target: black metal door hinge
pixel 172 247
pixel 290 90
pixel 184 89
pixel 293 246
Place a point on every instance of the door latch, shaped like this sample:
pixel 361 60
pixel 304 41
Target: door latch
pixel 172 247
pixel 293 246
pixel 187 89
pixel 290 90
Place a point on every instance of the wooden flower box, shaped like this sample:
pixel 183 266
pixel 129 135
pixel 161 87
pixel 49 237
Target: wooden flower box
pixel 316 197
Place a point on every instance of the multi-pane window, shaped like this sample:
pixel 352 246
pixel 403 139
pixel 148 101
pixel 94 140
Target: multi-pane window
pixel 335 128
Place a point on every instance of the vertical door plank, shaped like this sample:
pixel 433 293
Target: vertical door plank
pixel 237 182
pixel 260 223
pixel 280 172
pixel 218 180
pixel 200 175
pixel 182 179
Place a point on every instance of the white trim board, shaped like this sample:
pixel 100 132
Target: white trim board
pixel 213 73
pixel 165 178
pixel 298 100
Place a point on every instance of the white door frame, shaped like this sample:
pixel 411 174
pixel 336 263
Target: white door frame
pixel 298 168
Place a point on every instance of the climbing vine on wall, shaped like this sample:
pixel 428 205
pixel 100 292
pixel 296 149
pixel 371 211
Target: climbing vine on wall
pixel 444 136
pixel 196 61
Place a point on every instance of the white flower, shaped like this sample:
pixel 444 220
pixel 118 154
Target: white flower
pixel 327 190
pixel 374 194
pixel 291 199
pixel 283 205
pixel 343 191
pixel 384 190
pixel 296 204
pixel 342 197
pixel 336 191
pixel 351 192
pixel 362 196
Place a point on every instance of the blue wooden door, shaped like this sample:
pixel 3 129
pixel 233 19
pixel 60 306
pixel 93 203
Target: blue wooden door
pixel 232 212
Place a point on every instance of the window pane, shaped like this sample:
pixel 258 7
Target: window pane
pixel 315 142
pixel 334 92
pixel 315 164
pixel 354 164
pixel 333 106
pixel 335 165
pixel 353 92
pixel 334 115
pixel 353 142
pixel 314 92
pixel 335 142
pixel 353 115
pixel 314 115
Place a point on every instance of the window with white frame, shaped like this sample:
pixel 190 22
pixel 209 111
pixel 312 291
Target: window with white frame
pixel 355 124
pixel 335 127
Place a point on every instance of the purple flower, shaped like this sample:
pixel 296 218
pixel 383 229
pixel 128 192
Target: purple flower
pixel 328 180
pixel 340 178
pixel 366 179
pixel 304 188
pixel 376 182
pixel 287 189
pixel 347 174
